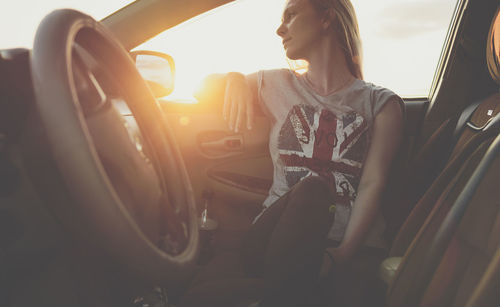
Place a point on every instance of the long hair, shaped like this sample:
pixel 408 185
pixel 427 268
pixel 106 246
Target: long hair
pixel 346 26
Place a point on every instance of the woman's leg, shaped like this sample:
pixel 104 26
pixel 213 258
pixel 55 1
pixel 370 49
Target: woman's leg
pixel 286 245
pixel 281 253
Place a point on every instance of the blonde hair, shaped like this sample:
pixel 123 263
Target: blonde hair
pixel 346 26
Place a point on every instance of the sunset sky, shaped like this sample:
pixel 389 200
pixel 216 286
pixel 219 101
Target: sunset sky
pixel 402 39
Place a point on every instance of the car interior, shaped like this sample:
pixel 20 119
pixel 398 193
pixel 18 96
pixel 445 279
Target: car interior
pixel 113 195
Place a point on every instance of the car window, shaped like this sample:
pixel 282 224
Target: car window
pixel 402 42
pixel 20 19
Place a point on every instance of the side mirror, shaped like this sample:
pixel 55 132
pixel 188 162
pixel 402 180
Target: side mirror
pixel 158 69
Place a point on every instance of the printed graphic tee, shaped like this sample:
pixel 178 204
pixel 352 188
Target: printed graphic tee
pixel 327 136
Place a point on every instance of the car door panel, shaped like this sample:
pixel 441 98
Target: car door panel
pixel 233 167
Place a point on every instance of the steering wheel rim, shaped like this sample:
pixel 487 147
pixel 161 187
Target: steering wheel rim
pixel 94 200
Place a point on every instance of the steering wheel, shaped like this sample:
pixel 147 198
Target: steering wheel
pixel 129 192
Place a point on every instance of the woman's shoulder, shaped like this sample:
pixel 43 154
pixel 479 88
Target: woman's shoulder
pixel 277 79
pixel 380 96
pixel 377 91
pixel 276 73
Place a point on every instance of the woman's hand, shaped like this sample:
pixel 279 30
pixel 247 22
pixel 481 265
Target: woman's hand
pixel 333 256
pixel 340 254
pixel 238 101
pixel 326 266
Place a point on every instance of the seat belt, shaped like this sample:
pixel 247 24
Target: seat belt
pixel 462 121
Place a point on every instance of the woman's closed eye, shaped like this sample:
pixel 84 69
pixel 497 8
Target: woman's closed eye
pixel 287 16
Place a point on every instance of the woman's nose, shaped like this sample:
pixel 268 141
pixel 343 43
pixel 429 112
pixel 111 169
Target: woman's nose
pixel 281 30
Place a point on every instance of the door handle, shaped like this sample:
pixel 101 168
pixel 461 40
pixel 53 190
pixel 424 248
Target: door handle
pixel 225 144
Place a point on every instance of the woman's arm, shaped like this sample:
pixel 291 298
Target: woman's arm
pixel 387 134
pixel 239 99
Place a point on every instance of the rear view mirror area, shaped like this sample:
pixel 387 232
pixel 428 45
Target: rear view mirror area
pixel 158 69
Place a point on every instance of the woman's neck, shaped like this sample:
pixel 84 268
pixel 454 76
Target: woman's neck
pixel 328 71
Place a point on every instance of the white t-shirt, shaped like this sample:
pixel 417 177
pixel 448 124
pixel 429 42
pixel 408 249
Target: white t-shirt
pixel 327 136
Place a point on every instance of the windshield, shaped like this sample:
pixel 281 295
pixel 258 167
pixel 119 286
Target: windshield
pixel 21 17
pixel 402 42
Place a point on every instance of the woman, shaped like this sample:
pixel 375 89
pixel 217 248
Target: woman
pixel 332 141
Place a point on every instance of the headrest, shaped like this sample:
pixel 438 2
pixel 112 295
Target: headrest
pixel 493 48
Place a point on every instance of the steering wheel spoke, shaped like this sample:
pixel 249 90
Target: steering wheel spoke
pixel 174 231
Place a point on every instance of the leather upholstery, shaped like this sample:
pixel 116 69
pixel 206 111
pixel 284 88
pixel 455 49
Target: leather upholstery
pixel 402 291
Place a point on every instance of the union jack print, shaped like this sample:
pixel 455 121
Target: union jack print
pixel 318 142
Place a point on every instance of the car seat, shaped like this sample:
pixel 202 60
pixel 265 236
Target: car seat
pixel 458 241
pixel 440 160
pixel 449 254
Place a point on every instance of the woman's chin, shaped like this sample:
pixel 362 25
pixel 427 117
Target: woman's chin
pixel 294 55
pixel 291 55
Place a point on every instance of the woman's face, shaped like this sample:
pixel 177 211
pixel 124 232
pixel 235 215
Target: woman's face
pixel 300 29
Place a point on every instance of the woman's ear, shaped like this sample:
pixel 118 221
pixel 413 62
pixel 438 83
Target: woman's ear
pixel 328 19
